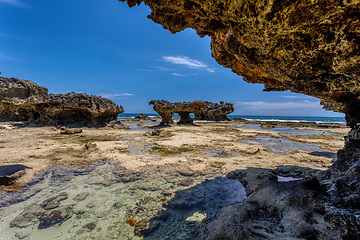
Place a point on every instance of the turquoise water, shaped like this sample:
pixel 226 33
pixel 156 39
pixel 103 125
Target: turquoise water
pixel 262 118
pixel 95 202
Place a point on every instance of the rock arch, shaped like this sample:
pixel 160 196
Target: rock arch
pixel 203 110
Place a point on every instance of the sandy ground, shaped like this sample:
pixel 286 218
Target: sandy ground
pixel 223 145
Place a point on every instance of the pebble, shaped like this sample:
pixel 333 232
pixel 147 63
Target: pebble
pixel 90 226
pixel 187 182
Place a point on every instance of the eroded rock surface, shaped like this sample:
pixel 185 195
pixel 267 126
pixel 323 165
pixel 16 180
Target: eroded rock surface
pixel 309 47
pixel 165 109
pixel 215 111
pixel 203 110
pixel 24 100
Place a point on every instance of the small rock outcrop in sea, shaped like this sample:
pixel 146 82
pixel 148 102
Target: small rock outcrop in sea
pixel 203 110
pixel 142 116
pixel 24 100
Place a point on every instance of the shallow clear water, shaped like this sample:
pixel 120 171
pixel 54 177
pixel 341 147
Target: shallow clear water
pixel 285 130
pixel 257 118
pixel 281 146
pixel 94 202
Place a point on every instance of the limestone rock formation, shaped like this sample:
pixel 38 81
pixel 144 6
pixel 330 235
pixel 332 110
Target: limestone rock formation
pixel 23 100
pixel 17 91
pixel 309 47
pixel 202 110
pixel 165 109
pixel 215 111
pixel 185 108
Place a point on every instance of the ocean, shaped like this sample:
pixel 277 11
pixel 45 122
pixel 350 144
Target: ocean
pixel 255 118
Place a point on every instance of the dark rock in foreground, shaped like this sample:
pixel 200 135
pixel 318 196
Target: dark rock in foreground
pixel 10 173
pixel 23 100
pixel 203 110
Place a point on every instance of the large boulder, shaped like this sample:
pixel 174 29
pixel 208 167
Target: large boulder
pixel 23 100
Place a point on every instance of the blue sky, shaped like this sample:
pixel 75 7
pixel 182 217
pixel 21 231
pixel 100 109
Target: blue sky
pixel 106 48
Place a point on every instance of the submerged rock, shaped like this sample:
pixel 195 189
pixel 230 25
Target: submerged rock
pixel 90 226
pixel 143 227
pixel 50 218
pixel 28 217
pixel 54 202
pixel 23 100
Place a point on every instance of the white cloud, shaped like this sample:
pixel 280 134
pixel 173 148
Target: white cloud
pixel 183 75
pixel 188 62
pixel 179 75
pixel 297 97
pixel 115 95
pixel 279 105
pixel 16 3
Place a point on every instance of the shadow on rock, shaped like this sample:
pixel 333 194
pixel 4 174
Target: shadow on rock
pixel 296 209
pixel 9 173
pixel 190 208
pixel 323 154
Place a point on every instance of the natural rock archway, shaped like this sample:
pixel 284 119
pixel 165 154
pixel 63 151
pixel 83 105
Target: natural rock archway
pixel 310 47
pixel 203 110
pixel 215 111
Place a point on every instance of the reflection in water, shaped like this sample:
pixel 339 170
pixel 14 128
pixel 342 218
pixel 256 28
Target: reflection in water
pixel 141 125
pixel 99 200
pixel 281 146
pixel 285 130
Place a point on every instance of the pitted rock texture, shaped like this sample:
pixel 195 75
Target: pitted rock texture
pixel 185 108
pixel 298 209
pixel 215 111
pixel 16 90
pixel 165 109
pixel 309 47
pixel 23 100
pixel 202 110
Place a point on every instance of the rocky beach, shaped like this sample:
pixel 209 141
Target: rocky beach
pixel 173 179
pixel 71 169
